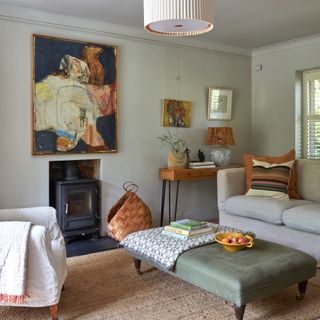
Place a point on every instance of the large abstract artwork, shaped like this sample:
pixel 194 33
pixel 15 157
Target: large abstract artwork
pixel 74 97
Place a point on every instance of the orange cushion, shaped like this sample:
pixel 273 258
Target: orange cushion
pixel 291 155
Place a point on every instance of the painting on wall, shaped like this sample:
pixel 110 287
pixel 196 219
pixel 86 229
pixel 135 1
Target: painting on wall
pixel 176 113
pixel 219 104
pixel 74 96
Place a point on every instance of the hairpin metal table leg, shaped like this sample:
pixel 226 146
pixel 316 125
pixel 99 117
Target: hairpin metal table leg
pixel 169 202
pixel 176 204
pixel 163 200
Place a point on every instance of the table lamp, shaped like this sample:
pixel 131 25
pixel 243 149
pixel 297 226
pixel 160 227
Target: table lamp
pixel 220 137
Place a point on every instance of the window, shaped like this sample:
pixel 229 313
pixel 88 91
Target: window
pixel 311 114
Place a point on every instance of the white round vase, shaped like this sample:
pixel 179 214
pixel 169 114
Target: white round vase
pixel 221 155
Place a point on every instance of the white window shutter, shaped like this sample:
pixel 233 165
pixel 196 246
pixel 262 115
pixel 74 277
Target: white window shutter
pixel 311 114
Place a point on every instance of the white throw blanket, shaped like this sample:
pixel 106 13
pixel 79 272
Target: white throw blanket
pixel 14 236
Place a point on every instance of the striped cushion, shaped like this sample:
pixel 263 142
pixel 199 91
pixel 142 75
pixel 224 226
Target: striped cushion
pixel 270 180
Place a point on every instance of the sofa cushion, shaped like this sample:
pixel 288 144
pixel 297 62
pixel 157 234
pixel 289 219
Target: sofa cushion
pixel 293 194
pixel 261 208
pixel 270 179
pixel 308 172
pixel 304 218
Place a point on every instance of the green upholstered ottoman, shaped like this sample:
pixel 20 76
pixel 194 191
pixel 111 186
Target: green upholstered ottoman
pixel 244 276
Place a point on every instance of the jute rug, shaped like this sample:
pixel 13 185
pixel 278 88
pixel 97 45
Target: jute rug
pixel 105 286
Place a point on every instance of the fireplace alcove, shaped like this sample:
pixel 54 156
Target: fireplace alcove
pixel 75 193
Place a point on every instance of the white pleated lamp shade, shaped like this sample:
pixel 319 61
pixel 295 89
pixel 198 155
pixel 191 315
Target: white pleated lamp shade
pixel 178 17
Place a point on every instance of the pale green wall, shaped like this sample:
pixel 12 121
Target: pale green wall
pixel 147 74
pixel 273 92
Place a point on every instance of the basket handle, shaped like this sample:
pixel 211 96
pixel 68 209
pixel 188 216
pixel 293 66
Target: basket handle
pixel 130 186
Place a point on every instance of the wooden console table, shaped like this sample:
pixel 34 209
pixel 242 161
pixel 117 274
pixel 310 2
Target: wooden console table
pixel 178 174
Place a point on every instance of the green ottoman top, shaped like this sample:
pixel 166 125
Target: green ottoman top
pixel 246 275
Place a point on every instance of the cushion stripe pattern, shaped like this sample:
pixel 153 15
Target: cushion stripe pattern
pixel 274 178
pixel 269 179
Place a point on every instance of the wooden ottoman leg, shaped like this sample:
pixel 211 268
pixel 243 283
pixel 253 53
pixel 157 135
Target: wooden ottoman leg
pixel 137 264
pixel 302 289
pixel 239 311
pixel 54 312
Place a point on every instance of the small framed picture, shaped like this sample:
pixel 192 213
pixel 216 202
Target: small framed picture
pixel 219 104
pixel 176 113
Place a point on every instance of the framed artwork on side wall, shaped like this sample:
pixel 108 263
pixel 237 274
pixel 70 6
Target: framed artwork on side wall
pixel 74 96
pixel 176 113
pixel 219 104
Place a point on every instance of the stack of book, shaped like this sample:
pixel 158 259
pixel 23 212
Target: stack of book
pixel 203 164
pixel 187 228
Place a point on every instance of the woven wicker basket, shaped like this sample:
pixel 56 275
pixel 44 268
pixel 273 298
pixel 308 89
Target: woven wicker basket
pixel 128 214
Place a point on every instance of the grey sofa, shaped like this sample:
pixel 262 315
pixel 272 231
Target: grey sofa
pixel 293 223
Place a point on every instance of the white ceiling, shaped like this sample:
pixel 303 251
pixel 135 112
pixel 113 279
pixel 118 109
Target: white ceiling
pixel 243 23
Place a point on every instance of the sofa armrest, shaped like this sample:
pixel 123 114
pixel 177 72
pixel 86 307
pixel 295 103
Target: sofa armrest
pixel 43 216
pixel 230 182
pixel 46 268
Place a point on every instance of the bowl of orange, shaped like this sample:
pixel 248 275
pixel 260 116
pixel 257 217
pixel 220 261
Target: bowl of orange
pixel 234 241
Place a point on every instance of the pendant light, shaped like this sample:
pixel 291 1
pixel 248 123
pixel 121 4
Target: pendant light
pixel 178 17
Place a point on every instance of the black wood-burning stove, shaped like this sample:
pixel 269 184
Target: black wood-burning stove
pixel 77 202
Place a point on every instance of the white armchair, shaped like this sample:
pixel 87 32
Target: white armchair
pixel 46 270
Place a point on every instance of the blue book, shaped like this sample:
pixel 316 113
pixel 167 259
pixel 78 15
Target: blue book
pixel 175 235
pixel 184 237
